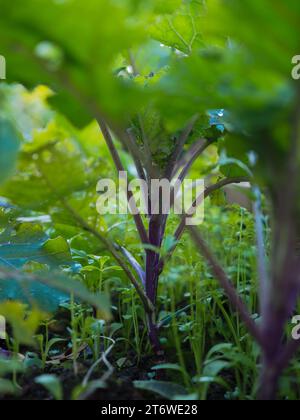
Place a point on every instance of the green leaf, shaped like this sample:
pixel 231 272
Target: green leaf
pixel 53 252
pixel 9 147
pixel 232 167
pixel 214 368
pixel 52 384
pixel 222 348
pixel 166 389
pixel 51 56
pixel 48 290
pixel 211 380
pixel 182 28
pixel 32 293
pixel 167 366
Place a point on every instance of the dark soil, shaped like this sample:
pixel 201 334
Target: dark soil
pixel 118 387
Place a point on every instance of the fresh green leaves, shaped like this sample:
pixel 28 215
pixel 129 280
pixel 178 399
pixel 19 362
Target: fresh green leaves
pixel 48 290
pixel 22 249
pixel 180 27
pixel 28 247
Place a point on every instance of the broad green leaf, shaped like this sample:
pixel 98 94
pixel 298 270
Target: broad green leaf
pixel 31 292
pixel 58 163
pixel 48 290
pixel 181 29
pixel 53 252
pixel 78 67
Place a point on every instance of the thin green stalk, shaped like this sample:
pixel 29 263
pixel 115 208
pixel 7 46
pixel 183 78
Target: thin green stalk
pixel 136 328
pixel 176 337
pixel 74 335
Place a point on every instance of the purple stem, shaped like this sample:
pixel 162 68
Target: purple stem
pixel 201 146
pixel 152 257
pixel 179 147
pixel 283 296
pixel 156 233
pixel 135 265
pixel 119 166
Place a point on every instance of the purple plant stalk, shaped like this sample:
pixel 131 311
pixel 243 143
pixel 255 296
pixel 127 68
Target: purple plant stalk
pixel 280 285
pixel 278 302
pixel 157 225
pixel 153 238
pixel 279 306
pixel 156 235
pixel 282 293
pixel 269 338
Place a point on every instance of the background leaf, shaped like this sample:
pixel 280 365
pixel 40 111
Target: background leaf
pixel 9 147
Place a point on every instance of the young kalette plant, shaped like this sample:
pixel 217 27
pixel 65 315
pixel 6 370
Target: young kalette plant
pixel 173 165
